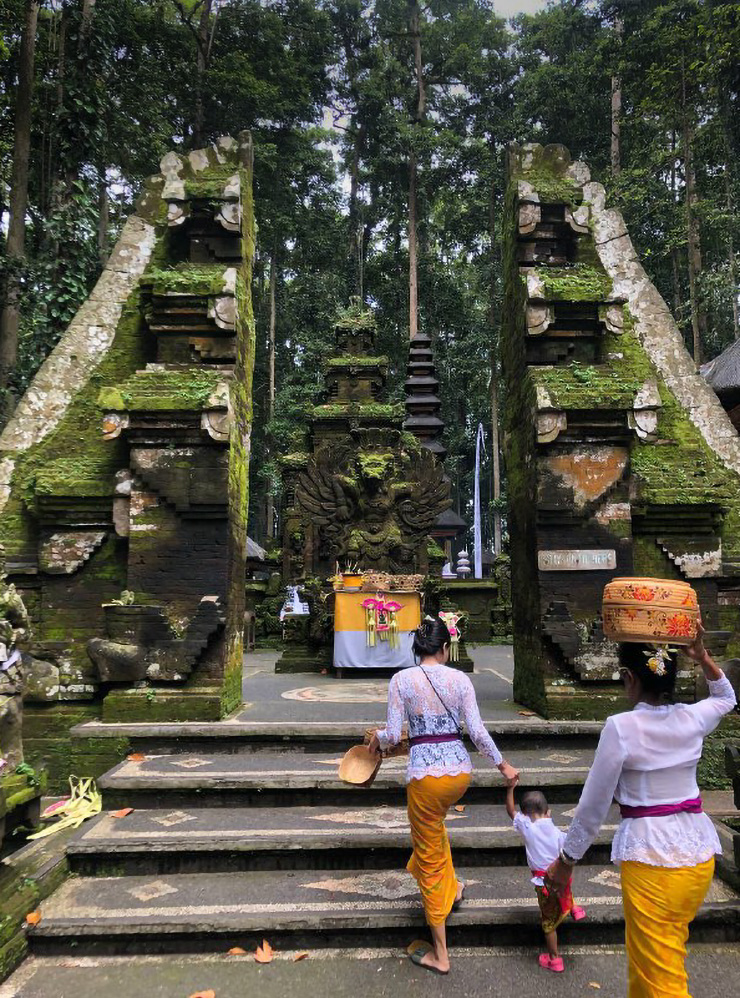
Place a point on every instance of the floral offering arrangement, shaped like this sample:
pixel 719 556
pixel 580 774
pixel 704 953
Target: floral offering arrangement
pixel 452 619
pixel 381 622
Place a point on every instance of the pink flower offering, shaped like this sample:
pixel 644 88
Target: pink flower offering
pixel 392 607
pixel 372 604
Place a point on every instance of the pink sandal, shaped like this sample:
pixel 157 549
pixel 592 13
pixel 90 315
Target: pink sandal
pixel 577 913
pixel 554 963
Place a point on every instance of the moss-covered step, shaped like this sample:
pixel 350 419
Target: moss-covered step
pixel 159 704
pixel 28 876
pixel 20 798
pixel 190 390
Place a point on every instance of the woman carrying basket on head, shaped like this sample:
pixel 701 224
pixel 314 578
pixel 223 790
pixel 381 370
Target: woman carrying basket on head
pixel 435 699
pixel 665 845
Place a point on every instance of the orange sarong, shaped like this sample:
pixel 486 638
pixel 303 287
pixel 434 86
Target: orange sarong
pixel 659 903
pixel 431 861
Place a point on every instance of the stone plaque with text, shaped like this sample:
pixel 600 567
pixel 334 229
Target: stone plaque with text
pixel 577 561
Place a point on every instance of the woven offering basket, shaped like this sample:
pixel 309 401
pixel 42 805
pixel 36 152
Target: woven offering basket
pixel 656 611
pixel 403 747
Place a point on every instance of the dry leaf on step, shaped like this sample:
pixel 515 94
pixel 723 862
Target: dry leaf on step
pixel 300 956
pixel 136 757
pixel 264 953
pixel 593 984
pixel 460 807
pixel 204 994
pixel 237 951
pixel 527 713
pixel 418 944
pixel 121 813
pixel 33 918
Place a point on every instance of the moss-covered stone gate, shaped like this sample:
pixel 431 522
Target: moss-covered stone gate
pixel 620 458
pixel 124 470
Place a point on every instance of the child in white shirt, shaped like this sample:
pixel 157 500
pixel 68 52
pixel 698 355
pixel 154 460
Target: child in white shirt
pixel 543 841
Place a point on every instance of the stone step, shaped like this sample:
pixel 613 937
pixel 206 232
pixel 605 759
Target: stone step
pixel 273 777
pixel 370 969
pixel 155 841
pixel 244 735
pixel 316 909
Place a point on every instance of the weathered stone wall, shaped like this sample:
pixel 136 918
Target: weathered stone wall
pixel 620 458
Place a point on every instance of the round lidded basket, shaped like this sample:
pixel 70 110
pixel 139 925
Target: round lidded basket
pixel 656 611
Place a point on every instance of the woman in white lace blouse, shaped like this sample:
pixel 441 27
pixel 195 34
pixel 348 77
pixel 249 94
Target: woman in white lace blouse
pixel 435 700
pixel 665 845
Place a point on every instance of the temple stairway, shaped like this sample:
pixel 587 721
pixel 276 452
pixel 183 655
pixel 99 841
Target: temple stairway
pixel 240 831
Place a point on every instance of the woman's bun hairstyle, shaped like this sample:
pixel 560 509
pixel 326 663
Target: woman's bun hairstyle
pixel 635 657
pixel 431 637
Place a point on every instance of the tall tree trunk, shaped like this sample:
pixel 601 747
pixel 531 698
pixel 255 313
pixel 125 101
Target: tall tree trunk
pixel 495 441
pixel 413 278
pixel 617 107
pixel 16 242
pixel 355 222
pixel 202 53
pixel 269 508
pixel 698 317
pixel 415 33
pixel 103 217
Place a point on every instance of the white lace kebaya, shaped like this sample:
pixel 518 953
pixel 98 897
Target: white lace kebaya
pixel 410 696
pixel 648 756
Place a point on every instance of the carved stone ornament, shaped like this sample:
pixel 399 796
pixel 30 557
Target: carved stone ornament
pixel 539 318
pixel 217 424
pixel 113 424
pixel 578 219
pixel 373 505
pixel 550 425
pixel 66 551
pixel 230 216
pixel 530 215
pixel 613 317
pixel 177 212
pixel 223 312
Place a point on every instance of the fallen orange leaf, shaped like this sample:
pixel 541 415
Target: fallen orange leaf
pixel 300 956
pixel 33 918
pixel 527 713
pixel 204 994
pixel 237 951
pixel 593 984
pixel 121 813
pixel 460 807
pixel 136 757
pixel 264 953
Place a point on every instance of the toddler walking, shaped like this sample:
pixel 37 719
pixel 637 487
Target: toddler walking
pixel 543 841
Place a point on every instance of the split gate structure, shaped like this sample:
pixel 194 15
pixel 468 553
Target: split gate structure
pixel 620 458
pixel 124 471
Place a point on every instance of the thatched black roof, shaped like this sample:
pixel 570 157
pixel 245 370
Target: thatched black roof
pixel 723 373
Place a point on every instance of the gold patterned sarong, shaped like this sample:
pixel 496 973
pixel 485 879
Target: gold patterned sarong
pixel 659 904
pixel 431 862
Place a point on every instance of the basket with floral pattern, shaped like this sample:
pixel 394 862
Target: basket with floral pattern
pixel 659 611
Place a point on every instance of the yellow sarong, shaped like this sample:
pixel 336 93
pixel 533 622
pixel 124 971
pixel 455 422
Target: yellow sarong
pixel 659 904
pixel 431 861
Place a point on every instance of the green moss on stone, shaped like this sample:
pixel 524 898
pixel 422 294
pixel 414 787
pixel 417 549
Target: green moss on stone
pixel 359 361
pixel 577 282
pixel 582 386
pixel 185 279
pixel 159 391
pixel 364 410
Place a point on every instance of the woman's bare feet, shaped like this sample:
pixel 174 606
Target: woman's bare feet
pixel 441 965
pixel 460 891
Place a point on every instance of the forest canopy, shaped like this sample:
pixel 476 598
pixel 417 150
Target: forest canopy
pixel 373 121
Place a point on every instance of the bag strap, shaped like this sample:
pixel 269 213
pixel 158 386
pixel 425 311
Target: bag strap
pixel 449 712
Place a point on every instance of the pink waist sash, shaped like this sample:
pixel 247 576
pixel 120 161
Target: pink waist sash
pixel 693 806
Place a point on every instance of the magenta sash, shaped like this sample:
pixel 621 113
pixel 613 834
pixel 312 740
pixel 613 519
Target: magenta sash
pixel 693 806
pixel 434 739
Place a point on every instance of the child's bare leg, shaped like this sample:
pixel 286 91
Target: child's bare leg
pixel 551 940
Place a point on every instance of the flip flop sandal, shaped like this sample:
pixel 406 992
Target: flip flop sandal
pixel 416 958
pixel 456 904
